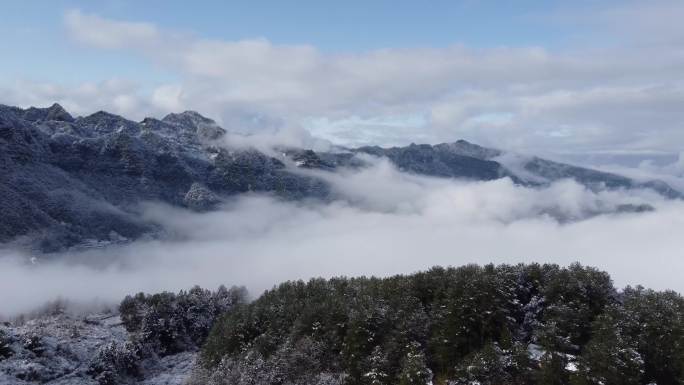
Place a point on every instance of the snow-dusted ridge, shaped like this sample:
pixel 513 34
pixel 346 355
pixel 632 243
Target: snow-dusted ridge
pixel 69 181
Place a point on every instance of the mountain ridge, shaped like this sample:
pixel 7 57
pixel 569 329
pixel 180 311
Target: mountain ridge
pixel 68 180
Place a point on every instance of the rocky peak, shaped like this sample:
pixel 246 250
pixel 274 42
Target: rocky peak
pixel 187 118
pixel 205 128
pixel 57 112
pixel 103 122
pixel 52 113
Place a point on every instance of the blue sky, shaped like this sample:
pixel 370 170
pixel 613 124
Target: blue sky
pixel 570 78
pixel 348 26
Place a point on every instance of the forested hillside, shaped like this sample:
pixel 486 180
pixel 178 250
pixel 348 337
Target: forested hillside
pixel 525 324
pixel 490 325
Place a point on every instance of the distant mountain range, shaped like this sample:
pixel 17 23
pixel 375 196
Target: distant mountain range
pixel 65 181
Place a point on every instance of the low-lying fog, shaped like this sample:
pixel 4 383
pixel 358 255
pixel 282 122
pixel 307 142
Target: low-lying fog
pixel 387 223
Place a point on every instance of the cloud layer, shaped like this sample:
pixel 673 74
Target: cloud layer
pixel 621 93
pixel 385 222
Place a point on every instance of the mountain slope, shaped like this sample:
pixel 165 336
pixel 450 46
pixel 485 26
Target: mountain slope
pixel 75 179
pixel 67 181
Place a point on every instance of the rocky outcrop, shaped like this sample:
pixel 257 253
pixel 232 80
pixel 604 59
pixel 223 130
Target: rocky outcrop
pixel 200 198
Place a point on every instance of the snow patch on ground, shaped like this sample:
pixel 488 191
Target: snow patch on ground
pixel 58 349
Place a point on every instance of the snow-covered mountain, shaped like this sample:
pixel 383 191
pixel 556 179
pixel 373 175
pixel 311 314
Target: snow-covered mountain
pixel 69 181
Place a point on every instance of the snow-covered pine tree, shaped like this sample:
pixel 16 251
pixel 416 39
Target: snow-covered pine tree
pixel 414 369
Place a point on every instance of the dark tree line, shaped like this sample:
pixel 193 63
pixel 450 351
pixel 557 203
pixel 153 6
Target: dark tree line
pixel 524 324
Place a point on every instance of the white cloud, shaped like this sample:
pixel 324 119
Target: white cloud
pixel 104 33
pixel 168 97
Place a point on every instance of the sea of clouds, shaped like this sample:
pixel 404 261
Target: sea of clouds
pixel 382 222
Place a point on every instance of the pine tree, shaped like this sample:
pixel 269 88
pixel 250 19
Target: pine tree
pixel 553 363
pixel 414 370
pixel 486 366
pixel 377 375
pixel 656 321
pixel 610 357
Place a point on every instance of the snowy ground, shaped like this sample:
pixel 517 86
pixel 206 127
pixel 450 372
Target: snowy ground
pixel 57 350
